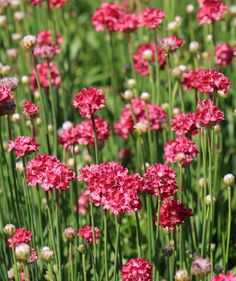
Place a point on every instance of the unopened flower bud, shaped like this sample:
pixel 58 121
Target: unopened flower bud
pixel 209 199
pixel 25 79
pixel 147 55
pixel 141 128
pixel 176 111
pixel 19 166
pixel 127 95
pixel 70 233
pixel 71 162
pixel 28 123
pixel 201 182
pixel 190 8
pixel 145 97
pixel 194 47
pixel 222 94
pixel 38 121
pixel 46 254
pixel 15 117
pixel 178 20
pixel 209 38
pixel 50 128
pixel 82 249
pixel 22 252
pixel 29 41
pixel 87 158
pixel 3 21
pixel 168 251
pixel 229 180
pixel 131 84
pixel 217 128
pixel 16 37
pixel 182 275
pixel 212 247
pixel 9 229
pixel 172 26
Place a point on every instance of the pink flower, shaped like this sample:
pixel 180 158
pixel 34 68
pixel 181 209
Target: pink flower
pixel 89 100
pixel 86 232
pixel 46 52
pixel 190 79
pixel 30 109
pixel 43 70
pixel 181 150
pixel 172 214
pixel 124 126
pixel 83 204
pixel 5 95
pixel 57 3
pixel 160 178
pixel 223 54
pixel 201 267
pixel 208 114
pixel 137 269
pixel 33 257
pixel 185 124
pixel 20 236
pixel 229 276
pixel 108 16
pixel 129 22
pixel 152 17
pixel 9 82
pixel 23 145
pixel 141 65
pixel 110 185
pixel 171 43
pixel 45 37
pixel 48 172
pixel 210 10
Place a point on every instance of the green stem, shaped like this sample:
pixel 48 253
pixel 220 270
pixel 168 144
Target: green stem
pixel 228 228
pixel 105 245
pixel 116 249
pixel 84 267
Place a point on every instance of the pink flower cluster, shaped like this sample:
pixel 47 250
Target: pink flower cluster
pixel 171 43
pixel 48 172
pixel 201 267
pixel 161 179
pixel 86 232
pixel 23 145
pixel 208 114
pixel 124 126
pixel 181 150
pixel 172 214
pixel 151 17
pixel 89 100
pixel 20 236
pixel 185 124
pixel 5 95
pixel 83 133
pixel 43 70
pixel 229 276
pixel 210 10
pixel 223 54
pixel 30 109
pixel 137 269
pixel 141 64
pixel 207 81
pixel 110 185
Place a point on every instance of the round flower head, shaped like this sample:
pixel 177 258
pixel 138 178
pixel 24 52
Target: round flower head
pixel 89 100
pixel 21 235
pixel 23 145
pixel 229 276
pixel 33 256
pixel 190 79
pixel 42 70
pixel 86 232
pixel 129 22
pixel 223 54
pixel 108 16
pixel 110 185
pixel 22 252
pixel 29 41
pixel 5 95
pixel 125 125
pixel 181 150
pixel 70 233
pixel 185 124
pixel 229 180
pixel 57 3
pixel 171 43
pixel 208 114
pixel 137 269
pixel 160 178
pixel 30 109
pixel 9 229
pixel 10 83
pixel 210 10
pixel 49 173
pixel 201 267
pixel 144 51
pixel 182 275
pixel 46 254
pixel 172 214
pixel 151 17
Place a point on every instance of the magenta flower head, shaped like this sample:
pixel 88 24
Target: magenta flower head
pixel 21 235
pixel 181 150
pixel 185 124
pixel 48 172
pixel 23 145
pixel 5 95
pixel 86 232
pixel 160 178
pixel 223 54
pixel 151 17
pixel 208 114
pixel 171 43
pixel 210 10
pixel 89 100
pixel 229 276
pixel 30 109
pixel 201 267
pixel 173 213
pixel 136 269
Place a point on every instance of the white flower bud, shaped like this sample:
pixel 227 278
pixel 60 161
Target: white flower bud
pixel 190 8
pixel 29 41
pixel 145 96
pixel 9 229
pixel 182 275
pixel 229 180
pixel 22 252
pixel 46 254
pixel 141 128
pixel 131 84
pixel 194 47
pixel 209 199
pixel 127 95
pixel 147 55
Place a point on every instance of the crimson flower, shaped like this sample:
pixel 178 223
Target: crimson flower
pixel 223 54
pixel 171 43
pixel 89 100
pixel 23 145
pixel 229 276
pixel 185 124
pixel 5 95
pixel 86 232
pixel 172 214
pixel 30 109
pixel 137 269
pixel 48 172
pixel 20 236
pixel 152 17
